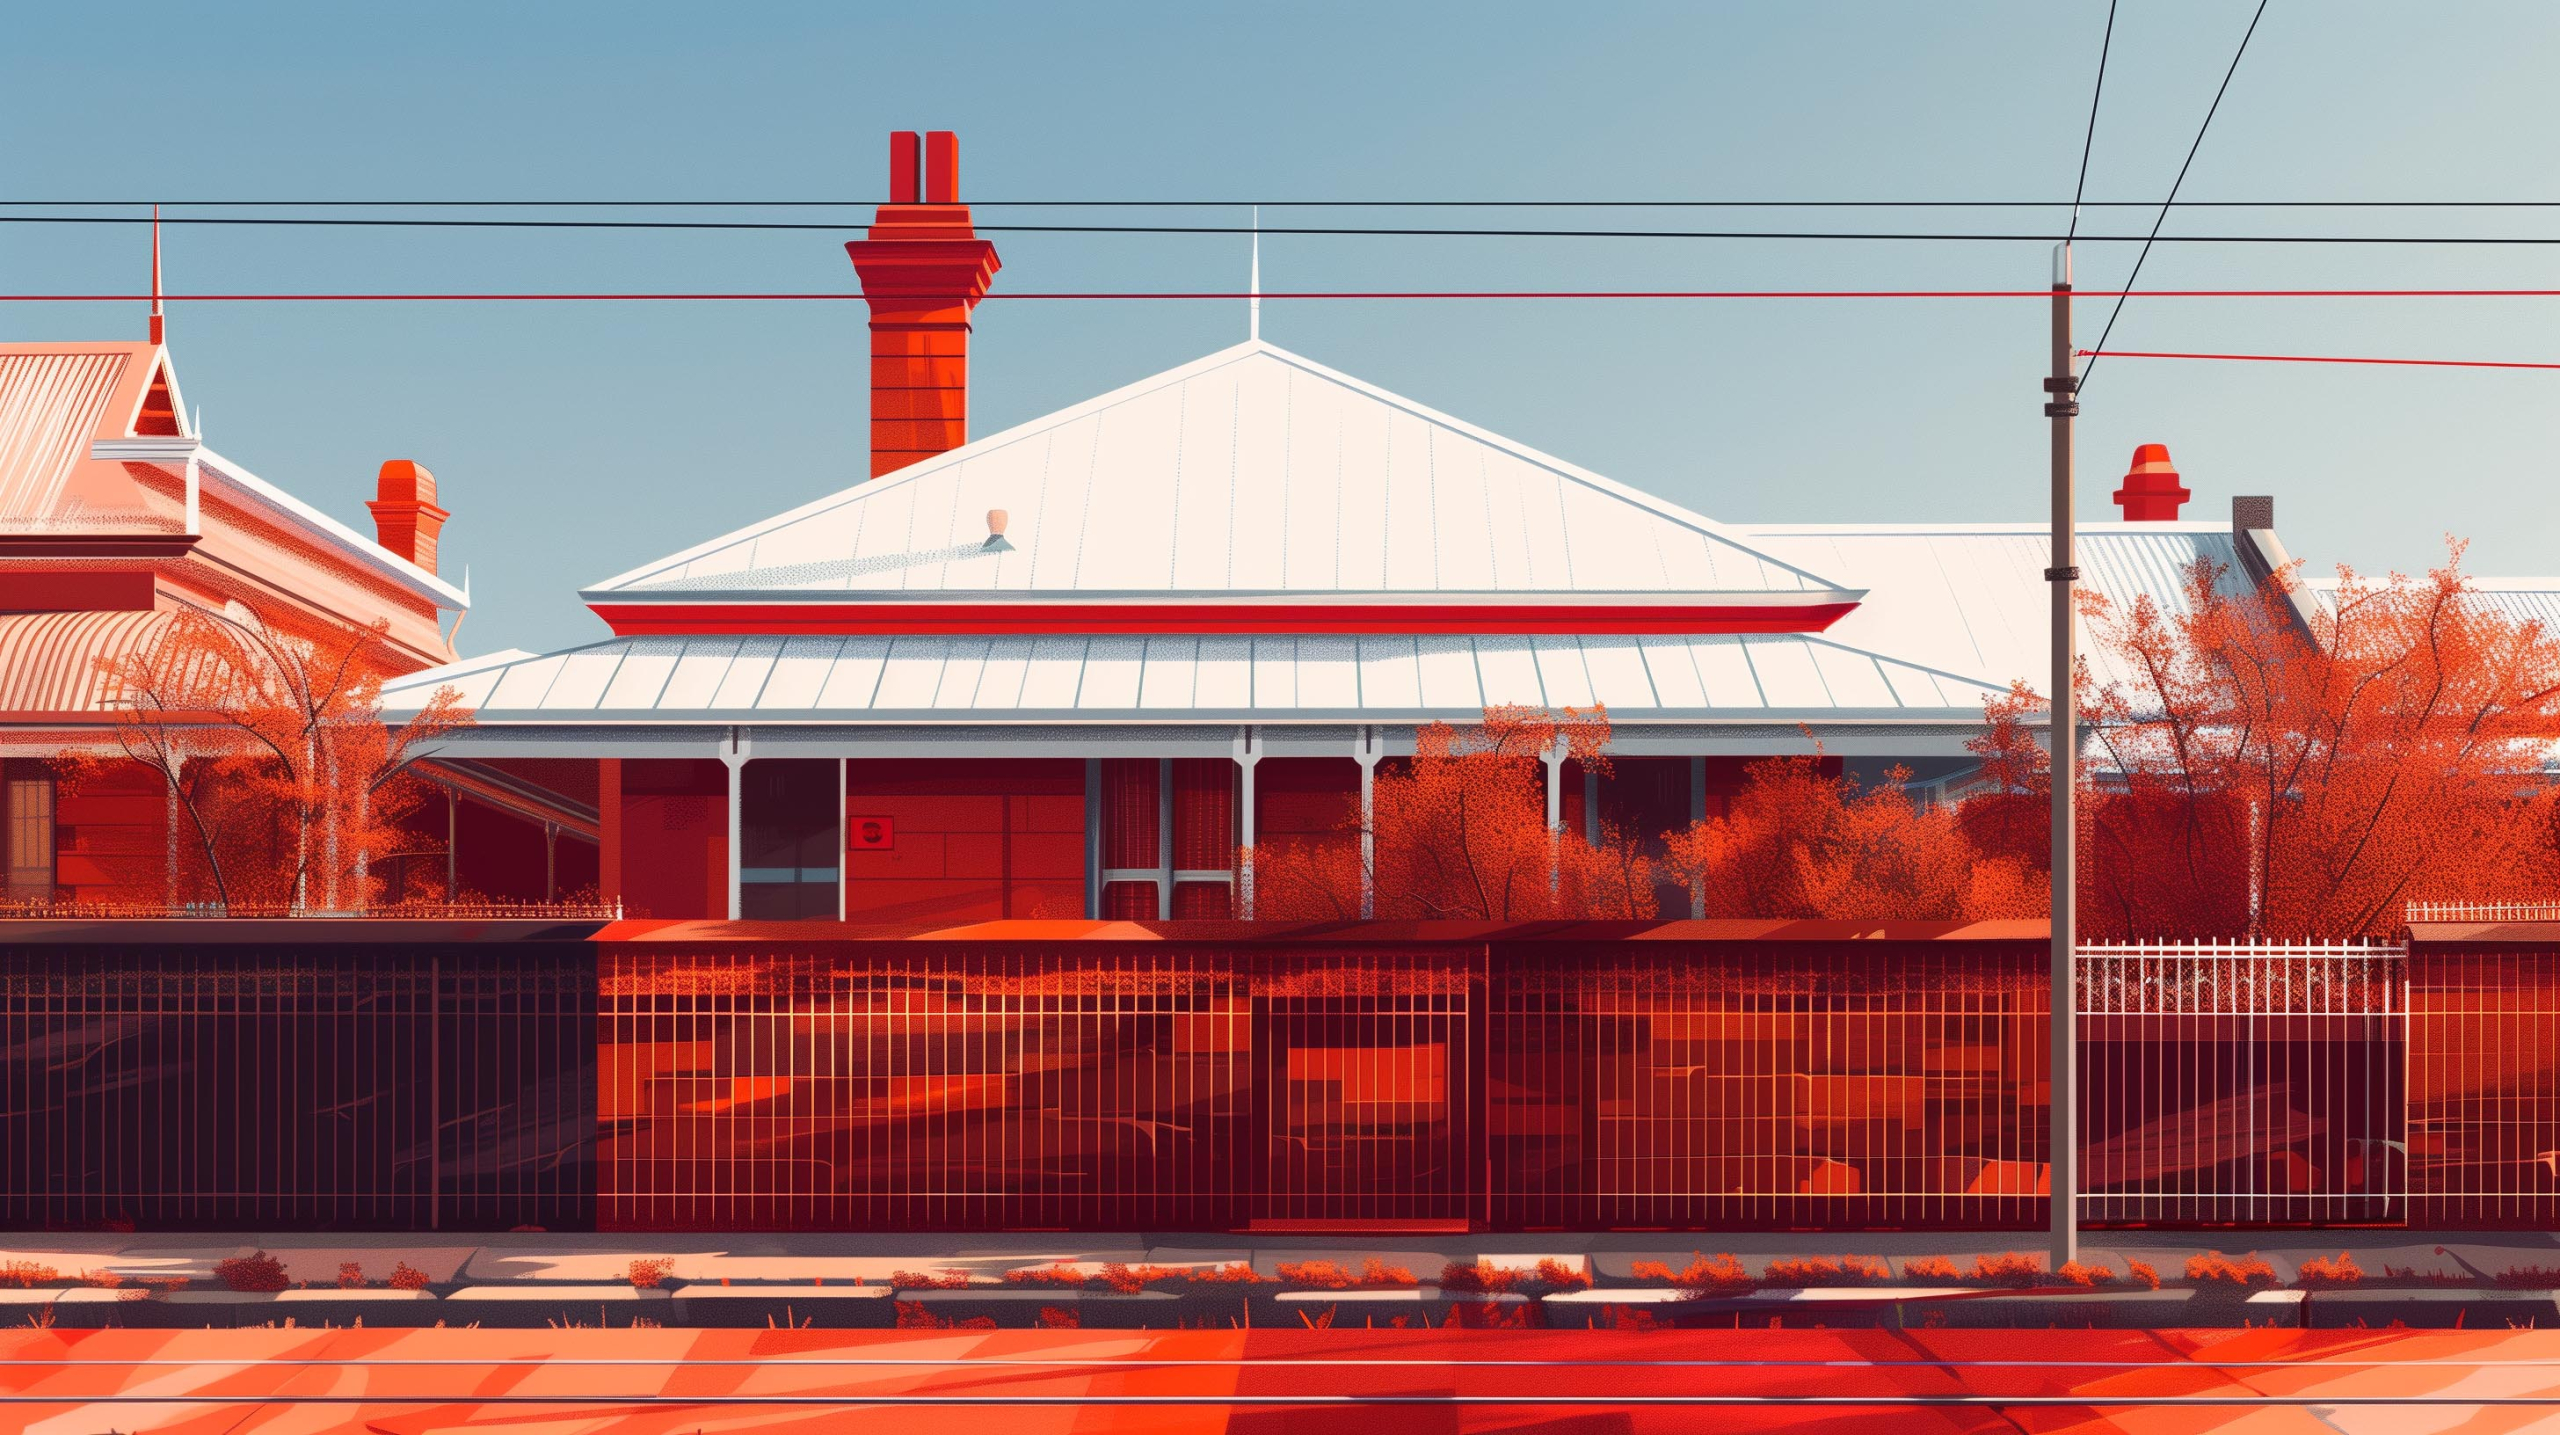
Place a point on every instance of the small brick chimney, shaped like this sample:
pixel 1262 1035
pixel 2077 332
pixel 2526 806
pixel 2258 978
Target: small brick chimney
pixel 2151 491
pixel 923 269
pixel 405 517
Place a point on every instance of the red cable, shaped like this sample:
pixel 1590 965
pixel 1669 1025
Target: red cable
pixel 1356 294
pixel 2324 359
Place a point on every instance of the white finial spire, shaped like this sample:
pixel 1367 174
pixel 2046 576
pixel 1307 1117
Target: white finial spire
pixel 157 331
pixel 1253 300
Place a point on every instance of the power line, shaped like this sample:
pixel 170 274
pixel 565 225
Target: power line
pixel 2326 359
pixel 2210 110
pixel 742 296
pixel 2089 139
pixel 1339 230
pixel 1286 203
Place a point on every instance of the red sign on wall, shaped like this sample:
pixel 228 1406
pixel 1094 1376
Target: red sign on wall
pixel 871 834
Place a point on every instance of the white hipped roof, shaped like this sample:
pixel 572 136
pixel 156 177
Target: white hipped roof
pixel 1250 471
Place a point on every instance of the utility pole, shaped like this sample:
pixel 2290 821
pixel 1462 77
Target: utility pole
pixel 2062 1147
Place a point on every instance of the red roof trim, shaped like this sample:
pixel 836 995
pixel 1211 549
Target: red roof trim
pixel 1000 619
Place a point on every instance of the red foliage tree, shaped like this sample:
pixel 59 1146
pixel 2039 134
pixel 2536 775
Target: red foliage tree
pixel 1799 842
pixel 1460 832
pixel 2284 774
pixel 286 777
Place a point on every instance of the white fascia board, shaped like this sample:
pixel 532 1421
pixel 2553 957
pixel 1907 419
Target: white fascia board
pixel 273 502
pixel 2092 527
pixel 1235 598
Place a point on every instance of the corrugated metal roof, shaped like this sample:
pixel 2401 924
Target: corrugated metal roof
pixel 55 399
pixel 1178 679
pixel 1252 470
pixel 49 661
pixel 1973 598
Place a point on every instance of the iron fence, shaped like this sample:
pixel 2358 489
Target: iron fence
pixel 2238 1084
pixel 284 1086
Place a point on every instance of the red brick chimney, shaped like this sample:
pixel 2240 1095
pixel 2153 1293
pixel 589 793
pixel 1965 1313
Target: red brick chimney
pixel 405 517
pixel 2151 491
pixel 923 270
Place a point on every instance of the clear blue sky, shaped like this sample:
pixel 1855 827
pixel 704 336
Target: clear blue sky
pixel 576 441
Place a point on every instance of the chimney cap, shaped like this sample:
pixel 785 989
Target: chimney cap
pixel 405 480
pixel 2151 491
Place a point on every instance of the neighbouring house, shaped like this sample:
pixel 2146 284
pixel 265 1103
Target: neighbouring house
pixel 1086 666
pixel 114 516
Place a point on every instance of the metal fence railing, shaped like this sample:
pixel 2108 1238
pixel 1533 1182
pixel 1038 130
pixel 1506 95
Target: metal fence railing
pixel 2242 1084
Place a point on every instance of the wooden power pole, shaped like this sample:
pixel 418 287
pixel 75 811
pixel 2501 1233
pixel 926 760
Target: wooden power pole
pixel 2062 1148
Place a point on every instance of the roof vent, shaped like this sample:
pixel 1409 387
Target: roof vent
pixel 2151 492
pixel 996 520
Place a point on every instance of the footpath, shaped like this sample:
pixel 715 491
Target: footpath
pixel 2149 1279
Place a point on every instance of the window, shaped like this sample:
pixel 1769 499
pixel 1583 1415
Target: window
pixel 30 837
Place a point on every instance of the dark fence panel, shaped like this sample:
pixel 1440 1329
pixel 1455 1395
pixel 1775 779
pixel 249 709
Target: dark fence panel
pixel 2242 1085
pixel 1747 1085
pixel 1095 1085
pixel 297 1085
pixel 2484 1084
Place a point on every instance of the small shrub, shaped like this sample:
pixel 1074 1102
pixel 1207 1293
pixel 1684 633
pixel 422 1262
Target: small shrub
pixel 1809 1271
pixel 162 1285
pixel 350 1276
pixel 2009 1268
pixel 255 1272
pixel 406 1277
pixel 912 1315
pixel 649 1272
pixel 2143 1274
pixel 1477 1278
pixel 2319 1273
pixel 2214 1270
pixel 1929 1268
pixel 1556 1275
pixel 1060 1275
pixel 1704 1275
pixel 1800 1271
pixel 1374 1274
pixel 2087 1277
pixel 1485 1278
pixel 1057 1317
pixel 2530 1278
pixel 101 1280
pixel 27 1273
pixel 919 1281
pixel 1237 1273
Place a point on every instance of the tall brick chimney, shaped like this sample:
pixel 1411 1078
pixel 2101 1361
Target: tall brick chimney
pixel 923 269
pixel 405 517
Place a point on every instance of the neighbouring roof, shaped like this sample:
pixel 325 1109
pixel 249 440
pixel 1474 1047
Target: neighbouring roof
pixel 1250 472
pixel 56 400
pixel 74 415
pixel 1717 678
pixel 1972 598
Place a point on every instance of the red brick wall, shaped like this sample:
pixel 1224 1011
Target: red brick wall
pixel 975 840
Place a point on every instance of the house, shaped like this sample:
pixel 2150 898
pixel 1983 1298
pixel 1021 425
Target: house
pixel 115 515
pixel 1084 666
